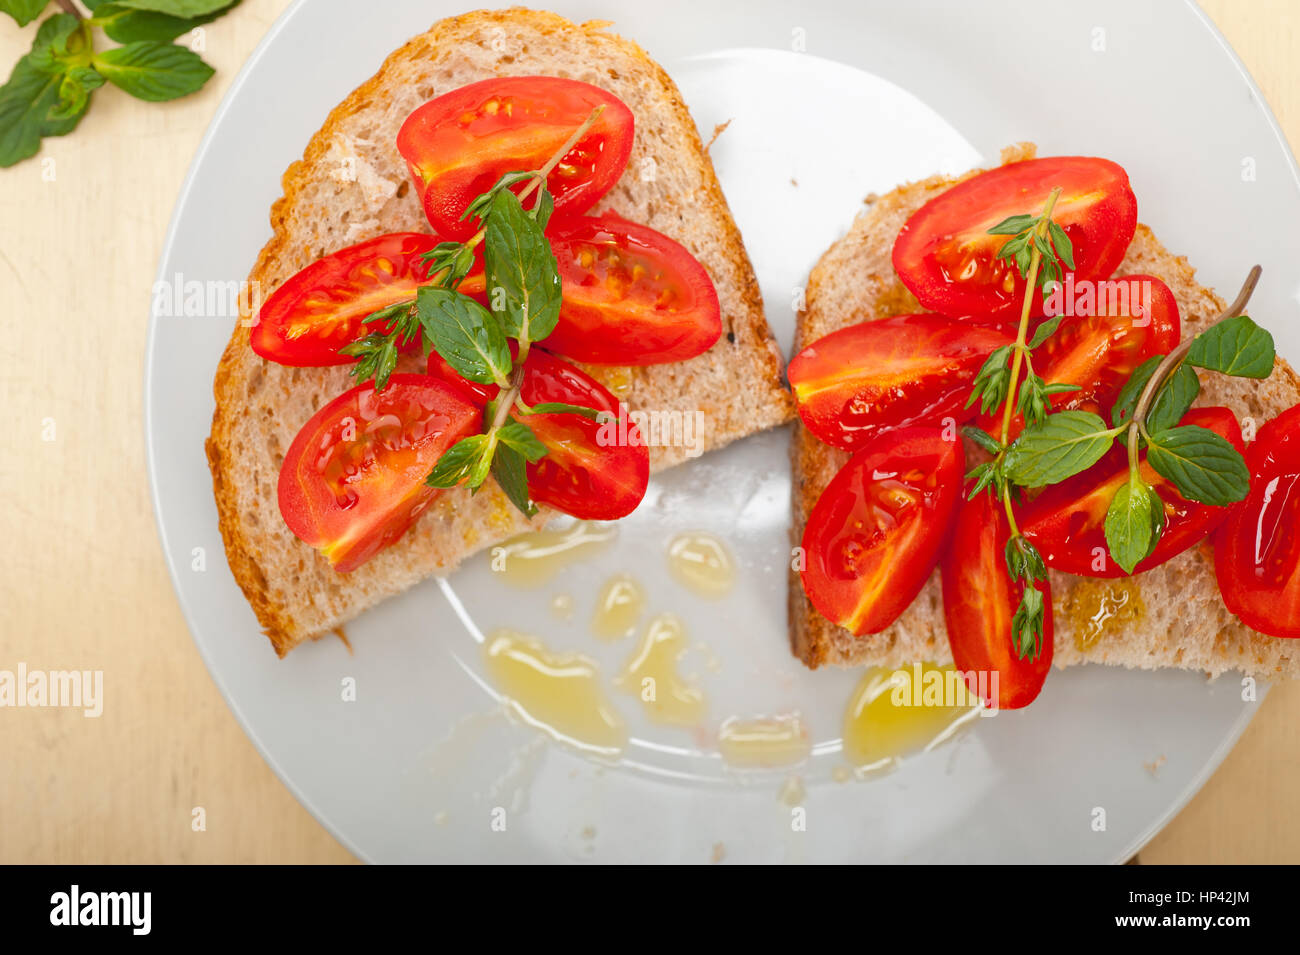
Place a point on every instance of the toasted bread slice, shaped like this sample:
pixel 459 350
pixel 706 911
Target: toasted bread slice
pixel 351 184
pixel 1171 616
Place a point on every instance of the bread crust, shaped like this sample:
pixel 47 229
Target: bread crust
pixel 266 562
pixel 1178 617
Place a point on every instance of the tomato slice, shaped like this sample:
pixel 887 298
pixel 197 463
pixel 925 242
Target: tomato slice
pixel 595 470
pixel 458 145
pixel 1067 522
pixel 632 296
pixel 875 533
pixel 979 605
pixel 322 308
pixel 889 373
pixel 352 482
pixel 946 257
pixel 1134 318
pixel 1257 548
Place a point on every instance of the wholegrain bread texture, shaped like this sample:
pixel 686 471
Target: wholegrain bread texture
pixel 350 185
pixel 1171 616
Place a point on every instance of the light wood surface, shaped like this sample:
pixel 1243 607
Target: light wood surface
pixel 82 579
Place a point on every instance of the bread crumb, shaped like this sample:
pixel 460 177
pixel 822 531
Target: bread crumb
pixel 342 635
pixel 719 853
pixel 717 131
pixel 1153 767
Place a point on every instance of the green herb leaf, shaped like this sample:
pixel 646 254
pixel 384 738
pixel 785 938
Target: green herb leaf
pixel 1061 445
pixel 1032 402
pixel 376 356
pixel 127 25
pixel 1061 241
pixel 24 11
pixel 560 407
pixel 1027 624
pixel 1013 225
pixel 464 333
pixel 520 437
pixel 462 462
pixel 153 71
pixel 481 203
pixel 521 269
pixel 984 475
pixel 1203 466
pixel 544 208
pixel 1171 402
pixel 175 8
pixel 74 92
pixel 508 467
pixel 982 438
pixel 1236 346
pixel 1134 522
pixel 1024 562
pixel 1046 330
pixel 989 388
pixel 31 102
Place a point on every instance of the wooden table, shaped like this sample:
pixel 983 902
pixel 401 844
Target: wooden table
pixel 81 571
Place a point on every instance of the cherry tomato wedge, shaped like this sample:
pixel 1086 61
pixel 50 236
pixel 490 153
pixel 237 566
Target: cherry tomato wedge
pixel 322 308
pixel 632 296
pixel 352 482
pixel 889 373
pixel 1132 319
pixel 876 532
pixel 979 604
pixel 1257 548
pixel 946 257
pixel 1067 522
pixel 594 470
pixel 458 145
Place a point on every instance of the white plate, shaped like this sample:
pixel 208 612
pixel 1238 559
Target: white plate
pixel 879 93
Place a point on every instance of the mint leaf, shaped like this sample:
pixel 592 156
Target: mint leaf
pixel 1134 522
pixel 153 71
pixel 521 271
pixel 561 407
pixel 31 103
pixel 463 461
pixel 175 8
pixel 1202 465
pixel 520 437
pixel 24 11
pixel 512 477
pixel 1061 445
pixel 464 332
pixel 544 208
pixel 127 25
pixel 1235 346
pixel 74 92
pixel 1171 402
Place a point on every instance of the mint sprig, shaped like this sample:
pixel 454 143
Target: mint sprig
pixel 52 86
pixel 524 287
